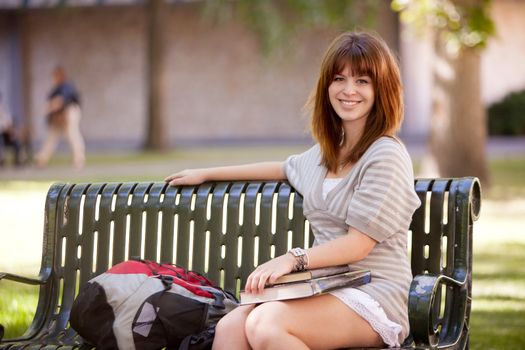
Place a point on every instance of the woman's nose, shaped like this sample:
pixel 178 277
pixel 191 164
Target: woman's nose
pixel 349 88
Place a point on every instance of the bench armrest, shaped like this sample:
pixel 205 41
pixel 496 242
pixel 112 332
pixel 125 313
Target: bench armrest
pixel 41 279
pixel 427 326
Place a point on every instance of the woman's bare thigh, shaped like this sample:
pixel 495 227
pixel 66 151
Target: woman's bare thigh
pixel 322 322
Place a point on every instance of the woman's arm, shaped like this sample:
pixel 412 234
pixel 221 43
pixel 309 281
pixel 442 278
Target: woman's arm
pixel 254 171
pixel 352 247
pixel 347 249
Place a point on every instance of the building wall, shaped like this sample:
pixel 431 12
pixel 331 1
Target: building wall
pixel 503 68
pixel 417 72
pixel 4 59
pixel 222 87
pixel 104 53
pixel 219 85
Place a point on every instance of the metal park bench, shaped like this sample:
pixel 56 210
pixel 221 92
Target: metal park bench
pixel 223 230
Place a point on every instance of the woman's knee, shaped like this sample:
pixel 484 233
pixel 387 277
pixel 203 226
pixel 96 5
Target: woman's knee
pixel 229 331
pixel 232 322
pixel 263 326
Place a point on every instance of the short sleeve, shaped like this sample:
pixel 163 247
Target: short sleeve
pixel 298 166
pixel 384 199
pixel 290 170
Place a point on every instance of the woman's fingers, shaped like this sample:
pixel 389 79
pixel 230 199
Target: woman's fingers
pixel 262 283
pixel 171 177
pixel 177 182
pixel 187 177
pixel 268 273
pixel 254 281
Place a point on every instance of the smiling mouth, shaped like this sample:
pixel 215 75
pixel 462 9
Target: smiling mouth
pixel 349 103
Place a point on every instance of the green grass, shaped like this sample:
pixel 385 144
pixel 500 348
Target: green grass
pixel 201 154
pixel 508 178
pixel 497 329
pixel 498 309
pixel 17 307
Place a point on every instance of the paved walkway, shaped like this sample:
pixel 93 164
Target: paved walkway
pixel 157 167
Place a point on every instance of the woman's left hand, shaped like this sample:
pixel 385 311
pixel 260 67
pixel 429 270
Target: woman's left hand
pixel 268 272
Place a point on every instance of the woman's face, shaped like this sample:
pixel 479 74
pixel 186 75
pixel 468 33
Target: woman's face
pixel 352 97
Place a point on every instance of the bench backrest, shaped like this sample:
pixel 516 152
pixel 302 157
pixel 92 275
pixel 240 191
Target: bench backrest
pixel 221 229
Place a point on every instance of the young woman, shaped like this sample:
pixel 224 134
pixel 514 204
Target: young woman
pixel 358 190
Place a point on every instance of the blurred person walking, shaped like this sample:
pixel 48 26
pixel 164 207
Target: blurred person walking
pixel 63 118
pixel 8 136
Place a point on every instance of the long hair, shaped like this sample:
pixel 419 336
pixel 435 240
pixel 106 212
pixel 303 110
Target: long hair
pixel 365 54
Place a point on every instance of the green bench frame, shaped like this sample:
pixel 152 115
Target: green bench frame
pixel 223 230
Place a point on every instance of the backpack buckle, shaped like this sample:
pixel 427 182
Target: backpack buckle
pixel 167 281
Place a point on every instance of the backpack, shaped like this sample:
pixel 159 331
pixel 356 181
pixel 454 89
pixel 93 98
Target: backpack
pixel 143 305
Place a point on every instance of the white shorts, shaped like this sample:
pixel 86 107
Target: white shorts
pixel 370 310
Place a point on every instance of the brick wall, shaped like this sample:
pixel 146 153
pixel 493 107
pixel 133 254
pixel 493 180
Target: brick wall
pixel 220 87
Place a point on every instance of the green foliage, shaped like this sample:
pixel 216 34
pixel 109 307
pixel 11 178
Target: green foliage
pixel 461 24
pixel 276 21
pixel 507 117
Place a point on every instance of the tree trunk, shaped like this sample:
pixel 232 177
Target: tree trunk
pixel 156 130
pixel 458 128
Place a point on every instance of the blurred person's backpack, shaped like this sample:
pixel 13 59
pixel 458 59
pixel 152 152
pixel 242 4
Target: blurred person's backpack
pixel 140 304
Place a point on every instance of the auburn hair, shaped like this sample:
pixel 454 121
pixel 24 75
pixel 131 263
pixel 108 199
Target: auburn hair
pixel 365 54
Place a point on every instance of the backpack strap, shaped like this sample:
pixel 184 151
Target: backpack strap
pixel 148 264
pixel 200 341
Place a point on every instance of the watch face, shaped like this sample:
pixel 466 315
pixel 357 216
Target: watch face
pixel 297 252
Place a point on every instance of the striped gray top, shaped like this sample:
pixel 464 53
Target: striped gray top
pixel 376 197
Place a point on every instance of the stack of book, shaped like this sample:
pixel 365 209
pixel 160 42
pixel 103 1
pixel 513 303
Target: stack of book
pixel 308 283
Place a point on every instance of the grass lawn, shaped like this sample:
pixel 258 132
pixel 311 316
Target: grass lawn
pixel 498 310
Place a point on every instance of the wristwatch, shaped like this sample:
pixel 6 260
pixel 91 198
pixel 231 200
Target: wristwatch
pixel 301 258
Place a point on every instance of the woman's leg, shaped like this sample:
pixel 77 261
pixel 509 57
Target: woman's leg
pixel 322 322
pixel 229 332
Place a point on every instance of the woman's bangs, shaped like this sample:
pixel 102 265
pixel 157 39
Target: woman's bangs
pixel 355 58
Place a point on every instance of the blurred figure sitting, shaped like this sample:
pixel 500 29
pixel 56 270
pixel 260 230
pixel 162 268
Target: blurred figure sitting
pixel 8 136
pixel 63 117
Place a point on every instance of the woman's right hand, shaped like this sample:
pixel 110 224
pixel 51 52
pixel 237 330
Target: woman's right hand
pixel 187 177
pixel 268 273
